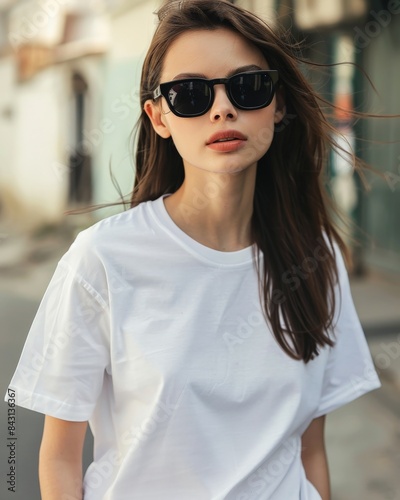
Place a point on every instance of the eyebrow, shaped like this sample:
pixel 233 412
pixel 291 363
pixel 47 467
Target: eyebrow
pixel 251 67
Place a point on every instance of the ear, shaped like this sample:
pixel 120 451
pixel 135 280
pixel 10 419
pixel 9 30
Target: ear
pixel 154 112
pixel 280 106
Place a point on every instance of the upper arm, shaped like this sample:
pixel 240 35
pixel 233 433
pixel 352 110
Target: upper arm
pixel 313 439
pixel 63 439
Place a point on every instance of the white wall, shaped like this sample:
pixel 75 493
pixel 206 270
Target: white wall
pixel 131 33
pixel 34 171
pixel 39 191
pixel 7 126
pixel 36 142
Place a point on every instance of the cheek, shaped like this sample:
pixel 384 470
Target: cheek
pixel 184 135
pixel 265 136
pixel 263 131
pixel 259 146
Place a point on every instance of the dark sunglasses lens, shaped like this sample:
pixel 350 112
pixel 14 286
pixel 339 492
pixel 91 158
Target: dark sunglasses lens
pixel 251 91
pixel 189 98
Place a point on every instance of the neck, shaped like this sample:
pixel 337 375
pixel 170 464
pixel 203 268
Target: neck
pixel 215 209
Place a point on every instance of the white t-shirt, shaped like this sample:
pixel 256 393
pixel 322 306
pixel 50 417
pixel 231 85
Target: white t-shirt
pixel 161 344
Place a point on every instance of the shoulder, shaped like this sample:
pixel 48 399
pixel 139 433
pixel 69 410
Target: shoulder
pixel 108 238
pixel 133 219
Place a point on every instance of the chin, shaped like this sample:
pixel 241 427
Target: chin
pixel 233 171
pixel 237 169
pixel 233 168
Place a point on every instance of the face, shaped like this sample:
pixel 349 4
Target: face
pixel 215 54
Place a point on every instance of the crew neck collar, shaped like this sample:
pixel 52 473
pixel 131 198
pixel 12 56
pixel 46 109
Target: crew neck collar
pixel 202 252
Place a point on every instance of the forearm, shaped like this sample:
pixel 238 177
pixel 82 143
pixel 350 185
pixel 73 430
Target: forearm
pixel 60 480
pixel 313 456
pixel 317 471
pixel 60 459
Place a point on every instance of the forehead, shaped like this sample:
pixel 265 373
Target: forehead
pixel 212 53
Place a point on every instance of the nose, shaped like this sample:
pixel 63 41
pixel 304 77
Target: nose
pixel 222 108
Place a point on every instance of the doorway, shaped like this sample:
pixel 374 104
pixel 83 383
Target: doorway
pixel 80 160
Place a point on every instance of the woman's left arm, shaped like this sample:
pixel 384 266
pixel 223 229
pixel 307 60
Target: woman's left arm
pixel 313 456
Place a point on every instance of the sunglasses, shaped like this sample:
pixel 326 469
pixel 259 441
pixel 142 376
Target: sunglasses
pixel 194 96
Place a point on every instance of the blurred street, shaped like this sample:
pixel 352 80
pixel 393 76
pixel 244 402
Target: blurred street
pixel 363 438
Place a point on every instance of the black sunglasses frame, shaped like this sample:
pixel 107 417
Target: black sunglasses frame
pixel 164 88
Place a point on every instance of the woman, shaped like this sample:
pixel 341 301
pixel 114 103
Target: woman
pixel 206 332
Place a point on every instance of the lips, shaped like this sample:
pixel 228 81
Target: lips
pixel 226 136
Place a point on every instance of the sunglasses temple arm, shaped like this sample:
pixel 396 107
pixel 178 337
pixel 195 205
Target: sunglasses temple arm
pixel 157 93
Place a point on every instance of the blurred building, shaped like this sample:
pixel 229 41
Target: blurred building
pixel 69 74
pixel 366 32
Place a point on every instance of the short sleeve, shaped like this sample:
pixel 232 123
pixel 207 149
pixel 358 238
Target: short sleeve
pixel 350 371
pixel 61 369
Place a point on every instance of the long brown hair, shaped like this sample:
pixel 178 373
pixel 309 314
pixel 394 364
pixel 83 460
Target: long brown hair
pixel 292 218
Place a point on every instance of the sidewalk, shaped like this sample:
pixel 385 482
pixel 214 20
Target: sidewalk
pixel 19 248
pixel 363 438
pixel 377 301
pixel 35 254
